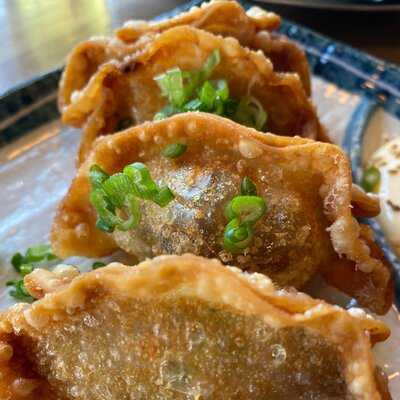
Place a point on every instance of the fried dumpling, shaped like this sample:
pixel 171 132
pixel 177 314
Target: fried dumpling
pixel 129 90
pixel 221 17
pixel 306 186
pixel 226 18
pixel 252 28
pixel 185 327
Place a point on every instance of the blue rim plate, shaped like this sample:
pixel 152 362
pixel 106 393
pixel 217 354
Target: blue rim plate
pixel 364 88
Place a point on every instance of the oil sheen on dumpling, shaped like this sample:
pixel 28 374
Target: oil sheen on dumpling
pixel 305 185
pixel 186 328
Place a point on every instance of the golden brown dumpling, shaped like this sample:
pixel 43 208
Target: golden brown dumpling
pixel 308 225
pixel 128 89
pixel 226 18
pixel 185 327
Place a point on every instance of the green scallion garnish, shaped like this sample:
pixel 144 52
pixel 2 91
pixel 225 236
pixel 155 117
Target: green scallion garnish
pixel 192 91
pixel 142 182
pixel 25 269
pixel 172 86
pixel 371 179
pixel 105 210
pixel 122 191
pixel 97 176
pixel 40 252
pixel 242 212
pixel 210 64
pixel 247 208
pixel 174 150
pixel 33 255
pixel 98 264
pixel 238 236
pixel 250 112
pixel 25 264
pixel 247 187
pixel 163 197
pixel 116 187
pixel 19 292
pixel 17 260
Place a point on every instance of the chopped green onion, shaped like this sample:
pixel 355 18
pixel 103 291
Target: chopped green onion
pixel 194 105
pixel 141 177
pixel 211 63
pixel 117 187
pixel 250 112
pixel 146 187
pixel 371 179
pixel 180 87
pixel 98 264
pixel 17 260
pixel 171 85
pixel 174 150
pixel 229 214
pixel 219 107
pixel 192 91
pixel 240 234
pixel 19 292
pixel 25 269
pixel 39 252
pixel 207 95
pixel 33 255
pixel 165 113
pixel 237 236
pixel 163 197
pixel 248 208
pixel 104 226
pixel 97 176
pixel 247 187
pixel 222 89
pixel 122 191
pixel 230 107
pixel 25 264
pixel 259 114
pixel 107 220
pixel 242 212
pixel 133 207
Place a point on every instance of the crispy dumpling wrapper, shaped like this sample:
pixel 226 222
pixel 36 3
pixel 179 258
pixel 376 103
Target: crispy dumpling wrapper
pixel 307 187
pixel 128 89
pixel 182 326
pixel 226 18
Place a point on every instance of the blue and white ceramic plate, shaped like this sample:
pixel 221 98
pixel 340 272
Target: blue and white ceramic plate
pixel 357 97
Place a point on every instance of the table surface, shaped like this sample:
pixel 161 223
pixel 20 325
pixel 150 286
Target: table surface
pixel 37 35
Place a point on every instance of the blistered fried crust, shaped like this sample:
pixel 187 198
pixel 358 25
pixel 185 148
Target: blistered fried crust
pixel 284 54
pixel 129 87
pixel 226 18
pixel 307 187
pixel 41 281
pixel 33 338
pixel 364 204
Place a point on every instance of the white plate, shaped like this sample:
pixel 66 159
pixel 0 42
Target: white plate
pixel 36 170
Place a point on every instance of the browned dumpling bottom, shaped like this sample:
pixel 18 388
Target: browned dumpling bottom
pixel 183 327
pixel 184 349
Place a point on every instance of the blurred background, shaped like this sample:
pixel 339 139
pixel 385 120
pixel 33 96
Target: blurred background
pixel 36 35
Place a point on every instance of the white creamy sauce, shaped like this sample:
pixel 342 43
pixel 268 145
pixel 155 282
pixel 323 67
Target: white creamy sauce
pixel 387 160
